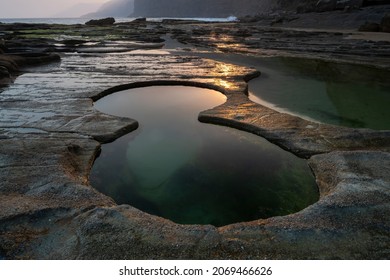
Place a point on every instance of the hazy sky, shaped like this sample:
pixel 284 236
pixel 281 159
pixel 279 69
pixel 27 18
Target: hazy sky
pixel 38 8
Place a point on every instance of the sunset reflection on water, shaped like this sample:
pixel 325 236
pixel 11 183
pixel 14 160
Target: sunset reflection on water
pixel 225 72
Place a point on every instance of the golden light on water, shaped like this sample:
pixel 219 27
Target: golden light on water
pixel 227 42
pixel 225 72
pixel 225 69
pixel 224 84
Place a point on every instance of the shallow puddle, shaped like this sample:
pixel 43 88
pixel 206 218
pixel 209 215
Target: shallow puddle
pixel 194 173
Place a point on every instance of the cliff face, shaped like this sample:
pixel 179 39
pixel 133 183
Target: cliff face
pixel 224 8
pixel 114 8
pixel 327 5
pixel 201 8
pixel 221 8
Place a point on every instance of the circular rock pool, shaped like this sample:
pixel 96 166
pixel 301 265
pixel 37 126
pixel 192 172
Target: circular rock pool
pixel 175 167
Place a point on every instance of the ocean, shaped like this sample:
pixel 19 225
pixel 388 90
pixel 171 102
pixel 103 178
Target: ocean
pixel 70 21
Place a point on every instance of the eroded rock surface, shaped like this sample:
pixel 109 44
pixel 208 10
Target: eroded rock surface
pixel 50 134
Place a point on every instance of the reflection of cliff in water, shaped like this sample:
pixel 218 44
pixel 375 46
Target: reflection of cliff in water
pixel 337 71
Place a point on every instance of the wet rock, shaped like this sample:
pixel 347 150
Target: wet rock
pixel 139 20
pixel 321 6
pixel 306 8
pixel 25 59
pixel 101 22
pixel 284 18
pixel 331 5
pixel 385 24
pixel 4 72
pixel 2 46
pixel 370 27
pixel 367 3
pixel 348 5
pixel 16 53
pixel 73 42
pixel 250 19
pixel 326 5
pixel 9 62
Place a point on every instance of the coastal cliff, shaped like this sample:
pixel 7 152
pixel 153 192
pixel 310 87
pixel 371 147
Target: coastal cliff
pixel 201 8
pixel 224 8
pixel 114 8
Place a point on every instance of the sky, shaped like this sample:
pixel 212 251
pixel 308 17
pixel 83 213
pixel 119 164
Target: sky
pixel 43 8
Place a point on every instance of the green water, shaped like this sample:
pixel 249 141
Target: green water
pixel 193 173
pixel 339 94
pixel 342 94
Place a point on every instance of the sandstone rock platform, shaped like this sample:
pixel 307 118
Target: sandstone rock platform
pixel 50 135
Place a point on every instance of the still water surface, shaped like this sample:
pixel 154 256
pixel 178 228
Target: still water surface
pixel 340 94
pixel 189 172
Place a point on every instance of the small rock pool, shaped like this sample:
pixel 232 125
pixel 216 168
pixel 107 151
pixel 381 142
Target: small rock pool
pixel 175 167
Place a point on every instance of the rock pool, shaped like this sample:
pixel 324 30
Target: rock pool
pixel 328 92
pixel 189 172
